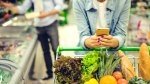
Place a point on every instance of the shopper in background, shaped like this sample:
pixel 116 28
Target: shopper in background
pixel 89 13
pixel 142 9
pixel 46 25
pixel 139 24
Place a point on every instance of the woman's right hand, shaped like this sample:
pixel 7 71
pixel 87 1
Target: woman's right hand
pixel 93 41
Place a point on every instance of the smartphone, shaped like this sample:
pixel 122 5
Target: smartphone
pixel 102 31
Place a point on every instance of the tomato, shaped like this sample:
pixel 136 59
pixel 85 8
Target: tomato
pixel 117 75
pixel 122 81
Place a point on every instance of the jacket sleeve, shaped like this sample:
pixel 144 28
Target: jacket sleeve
pixel 81 20
pixel 24 7
pixel 122 24
pixel 59 5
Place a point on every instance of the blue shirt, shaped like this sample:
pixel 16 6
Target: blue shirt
pixel 117 17
pixel 48 5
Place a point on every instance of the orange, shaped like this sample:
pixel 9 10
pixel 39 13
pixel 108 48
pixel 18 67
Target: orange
pixel 108 79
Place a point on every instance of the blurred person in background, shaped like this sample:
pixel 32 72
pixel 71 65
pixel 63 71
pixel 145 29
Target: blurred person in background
pixel 46 25
pixel 115 14
pixel 134 2
pixel 139 24
pixel 141 9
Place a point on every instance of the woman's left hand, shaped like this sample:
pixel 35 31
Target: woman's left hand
pixel 109 41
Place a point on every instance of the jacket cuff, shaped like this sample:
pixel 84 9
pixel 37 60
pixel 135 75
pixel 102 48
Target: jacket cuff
pixel 121 41
pixel 83 41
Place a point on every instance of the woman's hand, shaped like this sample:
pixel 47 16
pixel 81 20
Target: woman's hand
pixel 101 41
pixel 92 42
pixel 109 41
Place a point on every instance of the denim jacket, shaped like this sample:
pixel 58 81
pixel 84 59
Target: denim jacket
pixel 117 16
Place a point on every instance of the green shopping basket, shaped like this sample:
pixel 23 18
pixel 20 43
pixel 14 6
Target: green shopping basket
pixel 60 49
pixel 133 58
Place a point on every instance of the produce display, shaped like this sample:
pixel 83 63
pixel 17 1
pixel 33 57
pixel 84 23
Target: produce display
pixel 12 50
pixel 5 76
pixel 94 66
pixel 101 67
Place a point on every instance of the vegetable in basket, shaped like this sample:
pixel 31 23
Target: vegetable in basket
pixel 89 65
pixel 117 75
pixel 92 81
pixel 68 70
pixel 108 79
pixel 107 64
pixel 136 80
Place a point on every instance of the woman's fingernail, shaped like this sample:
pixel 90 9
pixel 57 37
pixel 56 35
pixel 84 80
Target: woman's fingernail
pixel 101 39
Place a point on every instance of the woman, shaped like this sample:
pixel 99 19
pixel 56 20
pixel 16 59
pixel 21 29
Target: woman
pixel 113 14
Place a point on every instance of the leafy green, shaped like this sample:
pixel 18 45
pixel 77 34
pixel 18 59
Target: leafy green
pixel 99 62
pixel 89 65
pixel 68 70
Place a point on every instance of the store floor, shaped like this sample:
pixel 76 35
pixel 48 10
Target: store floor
pixel 68 38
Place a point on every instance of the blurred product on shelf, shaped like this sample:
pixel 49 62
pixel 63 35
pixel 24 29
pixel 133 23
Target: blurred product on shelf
pixel 18 21
pixel 139 24
pixel 63 16
pixel 12 50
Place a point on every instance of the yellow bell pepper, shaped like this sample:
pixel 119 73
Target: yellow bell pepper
pixel 92 81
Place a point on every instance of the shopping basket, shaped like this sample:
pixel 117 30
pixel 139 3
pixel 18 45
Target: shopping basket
pixel 128 49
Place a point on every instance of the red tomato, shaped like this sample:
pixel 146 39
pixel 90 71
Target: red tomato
pixel 117 75
pixel 122 81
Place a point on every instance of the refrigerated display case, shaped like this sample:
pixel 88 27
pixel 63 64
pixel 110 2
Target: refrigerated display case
pixel 17 51
pixel 18 21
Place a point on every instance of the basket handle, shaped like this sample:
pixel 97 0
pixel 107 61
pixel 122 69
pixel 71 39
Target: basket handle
pixel 60 49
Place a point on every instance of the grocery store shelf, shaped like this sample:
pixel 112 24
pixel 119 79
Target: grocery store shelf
pixel 19 46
